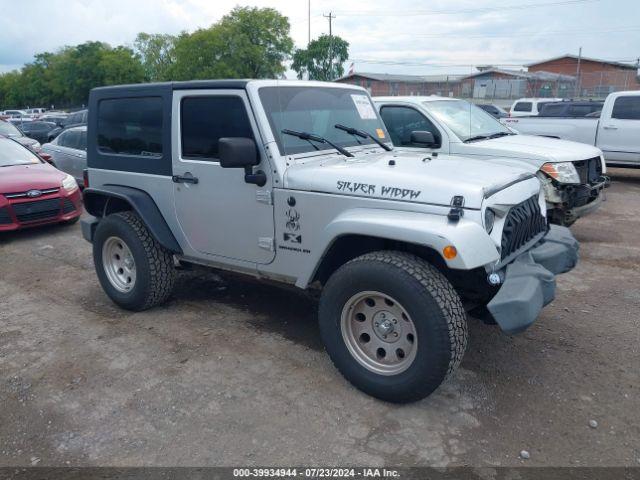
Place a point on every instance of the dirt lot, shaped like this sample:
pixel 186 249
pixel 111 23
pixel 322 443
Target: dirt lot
pixel 232 373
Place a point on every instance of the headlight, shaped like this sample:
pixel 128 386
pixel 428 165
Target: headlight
pixel 563 172
pixel 69 183
pixel 36 147
pixel 489 218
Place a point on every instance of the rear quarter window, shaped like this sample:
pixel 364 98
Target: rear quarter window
pixel 130 126
pixel 626 108
pixel 522 107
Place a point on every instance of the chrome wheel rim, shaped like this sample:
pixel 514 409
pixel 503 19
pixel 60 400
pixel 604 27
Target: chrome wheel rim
pixel 118 264
pixel 379 333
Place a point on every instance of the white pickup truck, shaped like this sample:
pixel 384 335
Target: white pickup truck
pixel 572 174
pixel 616 132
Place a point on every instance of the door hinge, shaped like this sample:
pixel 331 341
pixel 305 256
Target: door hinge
pixel 266 243
pixel 264 196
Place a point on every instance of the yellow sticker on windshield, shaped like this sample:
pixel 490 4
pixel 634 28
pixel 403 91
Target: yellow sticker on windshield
pixel 380 132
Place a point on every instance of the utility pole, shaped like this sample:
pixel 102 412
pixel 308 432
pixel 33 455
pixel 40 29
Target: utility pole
pixel 577 92
pixel 331 16
pixel 309 23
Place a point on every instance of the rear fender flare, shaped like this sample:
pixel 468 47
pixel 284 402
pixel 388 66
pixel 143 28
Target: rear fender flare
pixel 96 201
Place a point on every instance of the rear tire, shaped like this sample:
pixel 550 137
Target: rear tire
pixel 135 271
pixel 374 302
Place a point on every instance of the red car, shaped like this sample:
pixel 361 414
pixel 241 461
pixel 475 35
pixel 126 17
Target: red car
pixel 32 192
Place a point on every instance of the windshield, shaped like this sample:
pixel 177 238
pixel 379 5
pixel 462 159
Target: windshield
pixel 317 110
pixel 12 153
pixel 465 119
pixel 9 130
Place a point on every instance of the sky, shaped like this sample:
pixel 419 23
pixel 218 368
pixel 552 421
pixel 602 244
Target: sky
pixel 399 36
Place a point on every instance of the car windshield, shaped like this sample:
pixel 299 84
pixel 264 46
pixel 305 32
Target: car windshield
pixel 465 119
pixel 12 153
pixel 9 130
pixel 317 110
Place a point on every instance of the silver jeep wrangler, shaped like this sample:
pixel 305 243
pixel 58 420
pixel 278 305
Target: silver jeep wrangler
pixel 297 182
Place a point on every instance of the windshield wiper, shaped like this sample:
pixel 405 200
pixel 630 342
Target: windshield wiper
pixel 501 134
pixel 476 138
pixel 362 134
pixel 316 138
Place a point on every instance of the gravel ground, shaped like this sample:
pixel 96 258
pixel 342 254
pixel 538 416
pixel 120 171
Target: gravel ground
pixel 233 373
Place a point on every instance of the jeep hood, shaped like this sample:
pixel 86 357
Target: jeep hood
pixel 533 150
pixel 413 178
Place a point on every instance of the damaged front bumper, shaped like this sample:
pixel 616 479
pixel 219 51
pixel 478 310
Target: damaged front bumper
pixel 576 201
pixel 529 281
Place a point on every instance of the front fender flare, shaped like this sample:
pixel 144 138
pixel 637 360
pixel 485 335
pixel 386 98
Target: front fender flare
pixel 475 247
pixel 141 202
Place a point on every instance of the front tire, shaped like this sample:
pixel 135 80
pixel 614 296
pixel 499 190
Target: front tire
pixel 393 325
pixel 135 271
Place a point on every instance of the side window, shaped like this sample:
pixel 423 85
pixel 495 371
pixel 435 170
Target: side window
pixel 205 120
pixel 63 139
pixel 401 121
pixel 552 110
pixel 82 142
pixel 70 139
pixel 626 108
pixel 580 110
pixel 130 126
pixel 523 107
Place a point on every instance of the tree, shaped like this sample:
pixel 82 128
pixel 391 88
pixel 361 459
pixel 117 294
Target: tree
pixel 157 52
pixel 323 59
pixel 119 66
pixel 65 78
pixel 246 43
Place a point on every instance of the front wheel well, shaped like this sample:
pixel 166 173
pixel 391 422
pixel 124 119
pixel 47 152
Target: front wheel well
pixel 348 247
pixel 471 285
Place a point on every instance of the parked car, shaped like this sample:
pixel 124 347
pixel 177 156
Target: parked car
pixel 8 129
pixel 37 130
pixel 572 174
pixel 35 113
pixel 32 192
pixel 68 151
pixel 74 119
pixel 494 110
pixel 296 182
pixel 57 118
pixel 571 109
pixel 527 107
pixel 14 114
pixel 616 131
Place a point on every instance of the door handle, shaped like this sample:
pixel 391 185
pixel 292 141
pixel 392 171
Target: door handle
pixel 610 127
pixel 186 178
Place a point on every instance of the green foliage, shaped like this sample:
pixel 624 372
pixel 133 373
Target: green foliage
pixel 157 52
pixel 323 59
pixel 64 78
pixel 246 43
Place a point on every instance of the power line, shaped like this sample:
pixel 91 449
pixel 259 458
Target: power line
pixel 527 34
pixel 472 64
pixel 395 13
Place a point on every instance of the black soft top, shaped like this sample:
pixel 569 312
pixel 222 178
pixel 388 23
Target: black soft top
pixel 137 88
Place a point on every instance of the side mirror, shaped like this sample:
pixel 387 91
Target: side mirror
pixel 240 152
pixel 423 138
pixel 237 152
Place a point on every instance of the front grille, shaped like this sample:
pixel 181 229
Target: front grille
pixel 68 206
pixel 523 223
pixel 5 219
pixel 589 170
pixel 26 194
pixel 35 211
